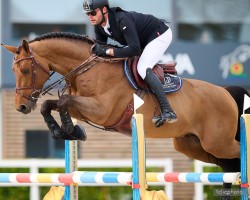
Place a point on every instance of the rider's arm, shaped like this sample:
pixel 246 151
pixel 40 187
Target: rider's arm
pixel 128 28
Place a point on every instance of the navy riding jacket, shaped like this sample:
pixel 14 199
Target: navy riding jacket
pixel 131 29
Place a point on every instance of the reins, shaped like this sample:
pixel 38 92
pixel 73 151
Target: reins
pixel 82 68
pixel 72 73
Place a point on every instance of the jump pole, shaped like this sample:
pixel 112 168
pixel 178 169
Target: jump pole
pixel 139 185
pixel 244 154
pixel 139 158
pixel 135 161
pixel 71 157
pixel 119 178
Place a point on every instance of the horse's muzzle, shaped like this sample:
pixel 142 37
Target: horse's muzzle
pixel 26 109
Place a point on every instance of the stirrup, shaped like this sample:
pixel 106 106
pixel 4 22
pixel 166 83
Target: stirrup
pixel 160 120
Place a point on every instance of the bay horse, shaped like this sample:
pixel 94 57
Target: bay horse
pixel 98 92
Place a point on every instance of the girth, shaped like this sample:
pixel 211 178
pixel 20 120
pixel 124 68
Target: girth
pixel 124 124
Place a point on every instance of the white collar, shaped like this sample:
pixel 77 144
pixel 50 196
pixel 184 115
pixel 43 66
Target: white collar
pixel 106 27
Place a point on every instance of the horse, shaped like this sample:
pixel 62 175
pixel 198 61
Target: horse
pixel 99 93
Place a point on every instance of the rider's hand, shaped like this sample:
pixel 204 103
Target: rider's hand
pixel 100 50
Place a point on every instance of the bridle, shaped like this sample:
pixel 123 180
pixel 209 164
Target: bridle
pixel 34 65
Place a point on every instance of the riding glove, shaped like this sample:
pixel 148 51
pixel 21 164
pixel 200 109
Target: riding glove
pixel 100 50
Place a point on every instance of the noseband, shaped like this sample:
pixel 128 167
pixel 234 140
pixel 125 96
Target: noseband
pixel 33 97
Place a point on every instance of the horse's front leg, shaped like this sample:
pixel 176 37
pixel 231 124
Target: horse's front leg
pixel 53 126
pixel 71 131
pixel 67 131
pixel 67 123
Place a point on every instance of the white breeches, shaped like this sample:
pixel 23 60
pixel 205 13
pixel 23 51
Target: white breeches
pixel 153 52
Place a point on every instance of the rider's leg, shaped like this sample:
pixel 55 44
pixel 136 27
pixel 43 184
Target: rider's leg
pixel 150 56
pixel 167 113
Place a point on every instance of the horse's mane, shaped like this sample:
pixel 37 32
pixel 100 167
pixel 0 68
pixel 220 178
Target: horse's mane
pixel 65 35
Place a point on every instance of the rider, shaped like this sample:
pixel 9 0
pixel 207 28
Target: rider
pixel 140 34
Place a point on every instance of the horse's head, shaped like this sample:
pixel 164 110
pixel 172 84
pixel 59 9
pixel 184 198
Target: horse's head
pixel 30 77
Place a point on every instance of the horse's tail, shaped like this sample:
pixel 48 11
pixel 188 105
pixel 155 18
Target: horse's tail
pixel 233 165
pixel 238 94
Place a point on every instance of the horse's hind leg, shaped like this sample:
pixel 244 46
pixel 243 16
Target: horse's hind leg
pixel 190 145
pixel 221 144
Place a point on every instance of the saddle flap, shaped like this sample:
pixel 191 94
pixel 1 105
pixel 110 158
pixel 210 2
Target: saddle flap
pixel 169 67
pixel 158 69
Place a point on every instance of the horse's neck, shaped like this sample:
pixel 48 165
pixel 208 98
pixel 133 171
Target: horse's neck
pixel 61 55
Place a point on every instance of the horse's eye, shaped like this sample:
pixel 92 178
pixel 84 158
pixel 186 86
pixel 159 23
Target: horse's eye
pixel 25 71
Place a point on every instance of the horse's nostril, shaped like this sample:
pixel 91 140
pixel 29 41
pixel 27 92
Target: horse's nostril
pixel 22 108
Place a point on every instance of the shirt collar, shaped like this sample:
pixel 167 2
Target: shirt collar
pixel 106 27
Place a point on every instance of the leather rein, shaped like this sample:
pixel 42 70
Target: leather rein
pixel 82 68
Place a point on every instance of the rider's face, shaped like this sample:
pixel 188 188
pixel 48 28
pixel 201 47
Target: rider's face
pixel 95 16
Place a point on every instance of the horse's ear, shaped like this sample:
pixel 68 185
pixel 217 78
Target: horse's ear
pixel 25 46
pixel 10 48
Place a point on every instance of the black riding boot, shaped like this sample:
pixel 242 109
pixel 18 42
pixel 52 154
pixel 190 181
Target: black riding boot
pixel 167 113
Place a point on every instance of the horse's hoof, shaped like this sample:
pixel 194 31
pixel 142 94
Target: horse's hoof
pixel 55 131
pixel 68 128
pixel 56 134
pixel 78 134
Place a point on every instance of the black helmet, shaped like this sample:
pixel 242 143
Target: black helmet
pixel 90 5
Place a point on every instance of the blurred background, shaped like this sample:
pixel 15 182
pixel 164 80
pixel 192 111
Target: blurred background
pixel 211 42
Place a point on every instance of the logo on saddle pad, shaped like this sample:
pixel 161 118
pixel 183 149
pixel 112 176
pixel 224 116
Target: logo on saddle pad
pixel 167 80
pixel 171 83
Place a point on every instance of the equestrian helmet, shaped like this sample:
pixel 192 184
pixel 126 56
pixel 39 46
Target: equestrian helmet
pixel 90 5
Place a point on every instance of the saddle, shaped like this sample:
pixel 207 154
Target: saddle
pixel 165 72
